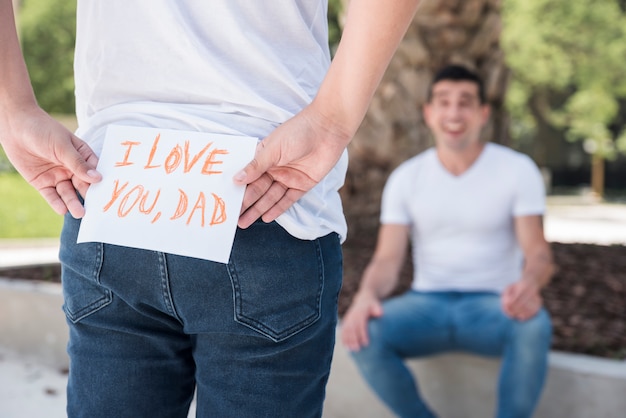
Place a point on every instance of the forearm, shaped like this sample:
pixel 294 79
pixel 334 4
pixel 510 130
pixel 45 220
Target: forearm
pixel 539 266
pixel 15 88
pixel 379 279
pixel 371 35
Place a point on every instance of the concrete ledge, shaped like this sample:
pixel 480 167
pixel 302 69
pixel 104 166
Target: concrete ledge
pixel 462 386
pixel 32 322
pixel 28 252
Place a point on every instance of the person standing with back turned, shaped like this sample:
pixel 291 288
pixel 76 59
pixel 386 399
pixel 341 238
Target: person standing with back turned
pixel 147 328
pixel 473 212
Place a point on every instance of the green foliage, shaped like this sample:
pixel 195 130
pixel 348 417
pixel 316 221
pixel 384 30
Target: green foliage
pixel 574 52
pixel 335 9
pixel 5 164
pixel 23 212
pixel 47 33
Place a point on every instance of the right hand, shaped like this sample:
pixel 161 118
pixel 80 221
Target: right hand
pixel 49 157
pixel 289 162
pixel 354 333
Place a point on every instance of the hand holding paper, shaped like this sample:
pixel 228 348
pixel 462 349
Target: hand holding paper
pixel 50 158
pixel 288 163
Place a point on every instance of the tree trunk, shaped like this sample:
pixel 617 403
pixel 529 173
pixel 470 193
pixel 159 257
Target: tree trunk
pixel 442 32
pixel 597 176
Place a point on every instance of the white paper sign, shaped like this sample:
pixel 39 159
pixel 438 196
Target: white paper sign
pixel 167 190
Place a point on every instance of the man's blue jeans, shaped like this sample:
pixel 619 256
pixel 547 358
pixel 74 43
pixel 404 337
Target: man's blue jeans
pixel 418 324
pixel 255 336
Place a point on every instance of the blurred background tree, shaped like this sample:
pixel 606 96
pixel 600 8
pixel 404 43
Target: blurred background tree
pixel 47 32
pixel 335 8
pixel 567 60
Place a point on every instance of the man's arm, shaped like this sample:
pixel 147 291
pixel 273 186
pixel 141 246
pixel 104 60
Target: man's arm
pixel 522 300
pixel 379 280
pixel 47 155
pixel 15 88
pixel 300 152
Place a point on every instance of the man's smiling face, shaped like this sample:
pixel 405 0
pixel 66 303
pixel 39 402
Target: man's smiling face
pixel 455 114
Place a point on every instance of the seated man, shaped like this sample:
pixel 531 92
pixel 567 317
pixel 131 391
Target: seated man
pixel 473 212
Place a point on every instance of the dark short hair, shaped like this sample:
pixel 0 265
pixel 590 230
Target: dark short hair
pixel 458 73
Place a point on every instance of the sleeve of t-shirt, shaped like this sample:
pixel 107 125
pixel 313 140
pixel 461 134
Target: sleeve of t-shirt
pixel 394 207
pixel 530 197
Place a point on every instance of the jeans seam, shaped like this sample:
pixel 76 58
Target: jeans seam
pixel 168 300
pixel 98 263
pixel 320 263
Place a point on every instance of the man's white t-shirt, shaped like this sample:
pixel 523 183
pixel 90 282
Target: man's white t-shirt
pixel 236 67
pixel 462 227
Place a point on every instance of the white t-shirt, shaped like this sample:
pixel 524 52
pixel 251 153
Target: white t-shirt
pixel 238 67
pixel 462 227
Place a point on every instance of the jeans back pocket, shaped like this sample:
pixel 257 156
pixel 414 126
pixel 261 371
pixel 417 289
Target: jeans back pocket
pixel 277 281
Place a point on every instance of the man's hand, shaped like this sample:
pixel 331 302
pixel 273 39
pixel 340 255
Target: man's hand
pixel 50 158
pixel 354 334
pixel 522 300
pixel 288 163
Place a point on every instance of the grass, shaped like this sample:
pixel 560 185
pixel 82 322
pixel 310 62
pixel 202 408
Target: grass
pixel 23 212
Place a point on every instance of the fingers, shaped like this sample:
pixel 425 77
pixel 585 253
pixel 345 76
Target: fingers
pixel 82 161
pixel 62 198
pixel 354 331
pixel 270 206
pixel 254 191
pixel 262 192
pixel 525 311
pixel 78 161
pixel 261 198
pixel 80 186
pixel 519 304
pixel 354 335
pixel 67 193
pixel 54 200
pixel 267 199
pixel 75 171
pixel 290 197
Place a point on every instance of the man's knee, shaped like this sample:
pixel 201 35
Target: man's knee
pixel 538 328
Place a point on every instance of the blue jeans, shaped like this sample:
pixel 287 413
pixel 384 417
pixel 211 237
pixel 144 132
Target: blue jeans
pixel 254 337
pixel 418 324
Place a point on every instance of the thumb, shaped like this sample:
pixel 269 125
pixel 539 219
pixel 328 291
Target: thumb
pixel 508 294
pixel 254 169
pixel 377 310
pixel 81 161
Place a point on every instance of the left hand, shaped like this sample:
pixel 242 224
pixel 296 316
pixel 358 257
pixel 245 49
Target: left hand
pixel 49 157
pixel 288 163
pixel 522 300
